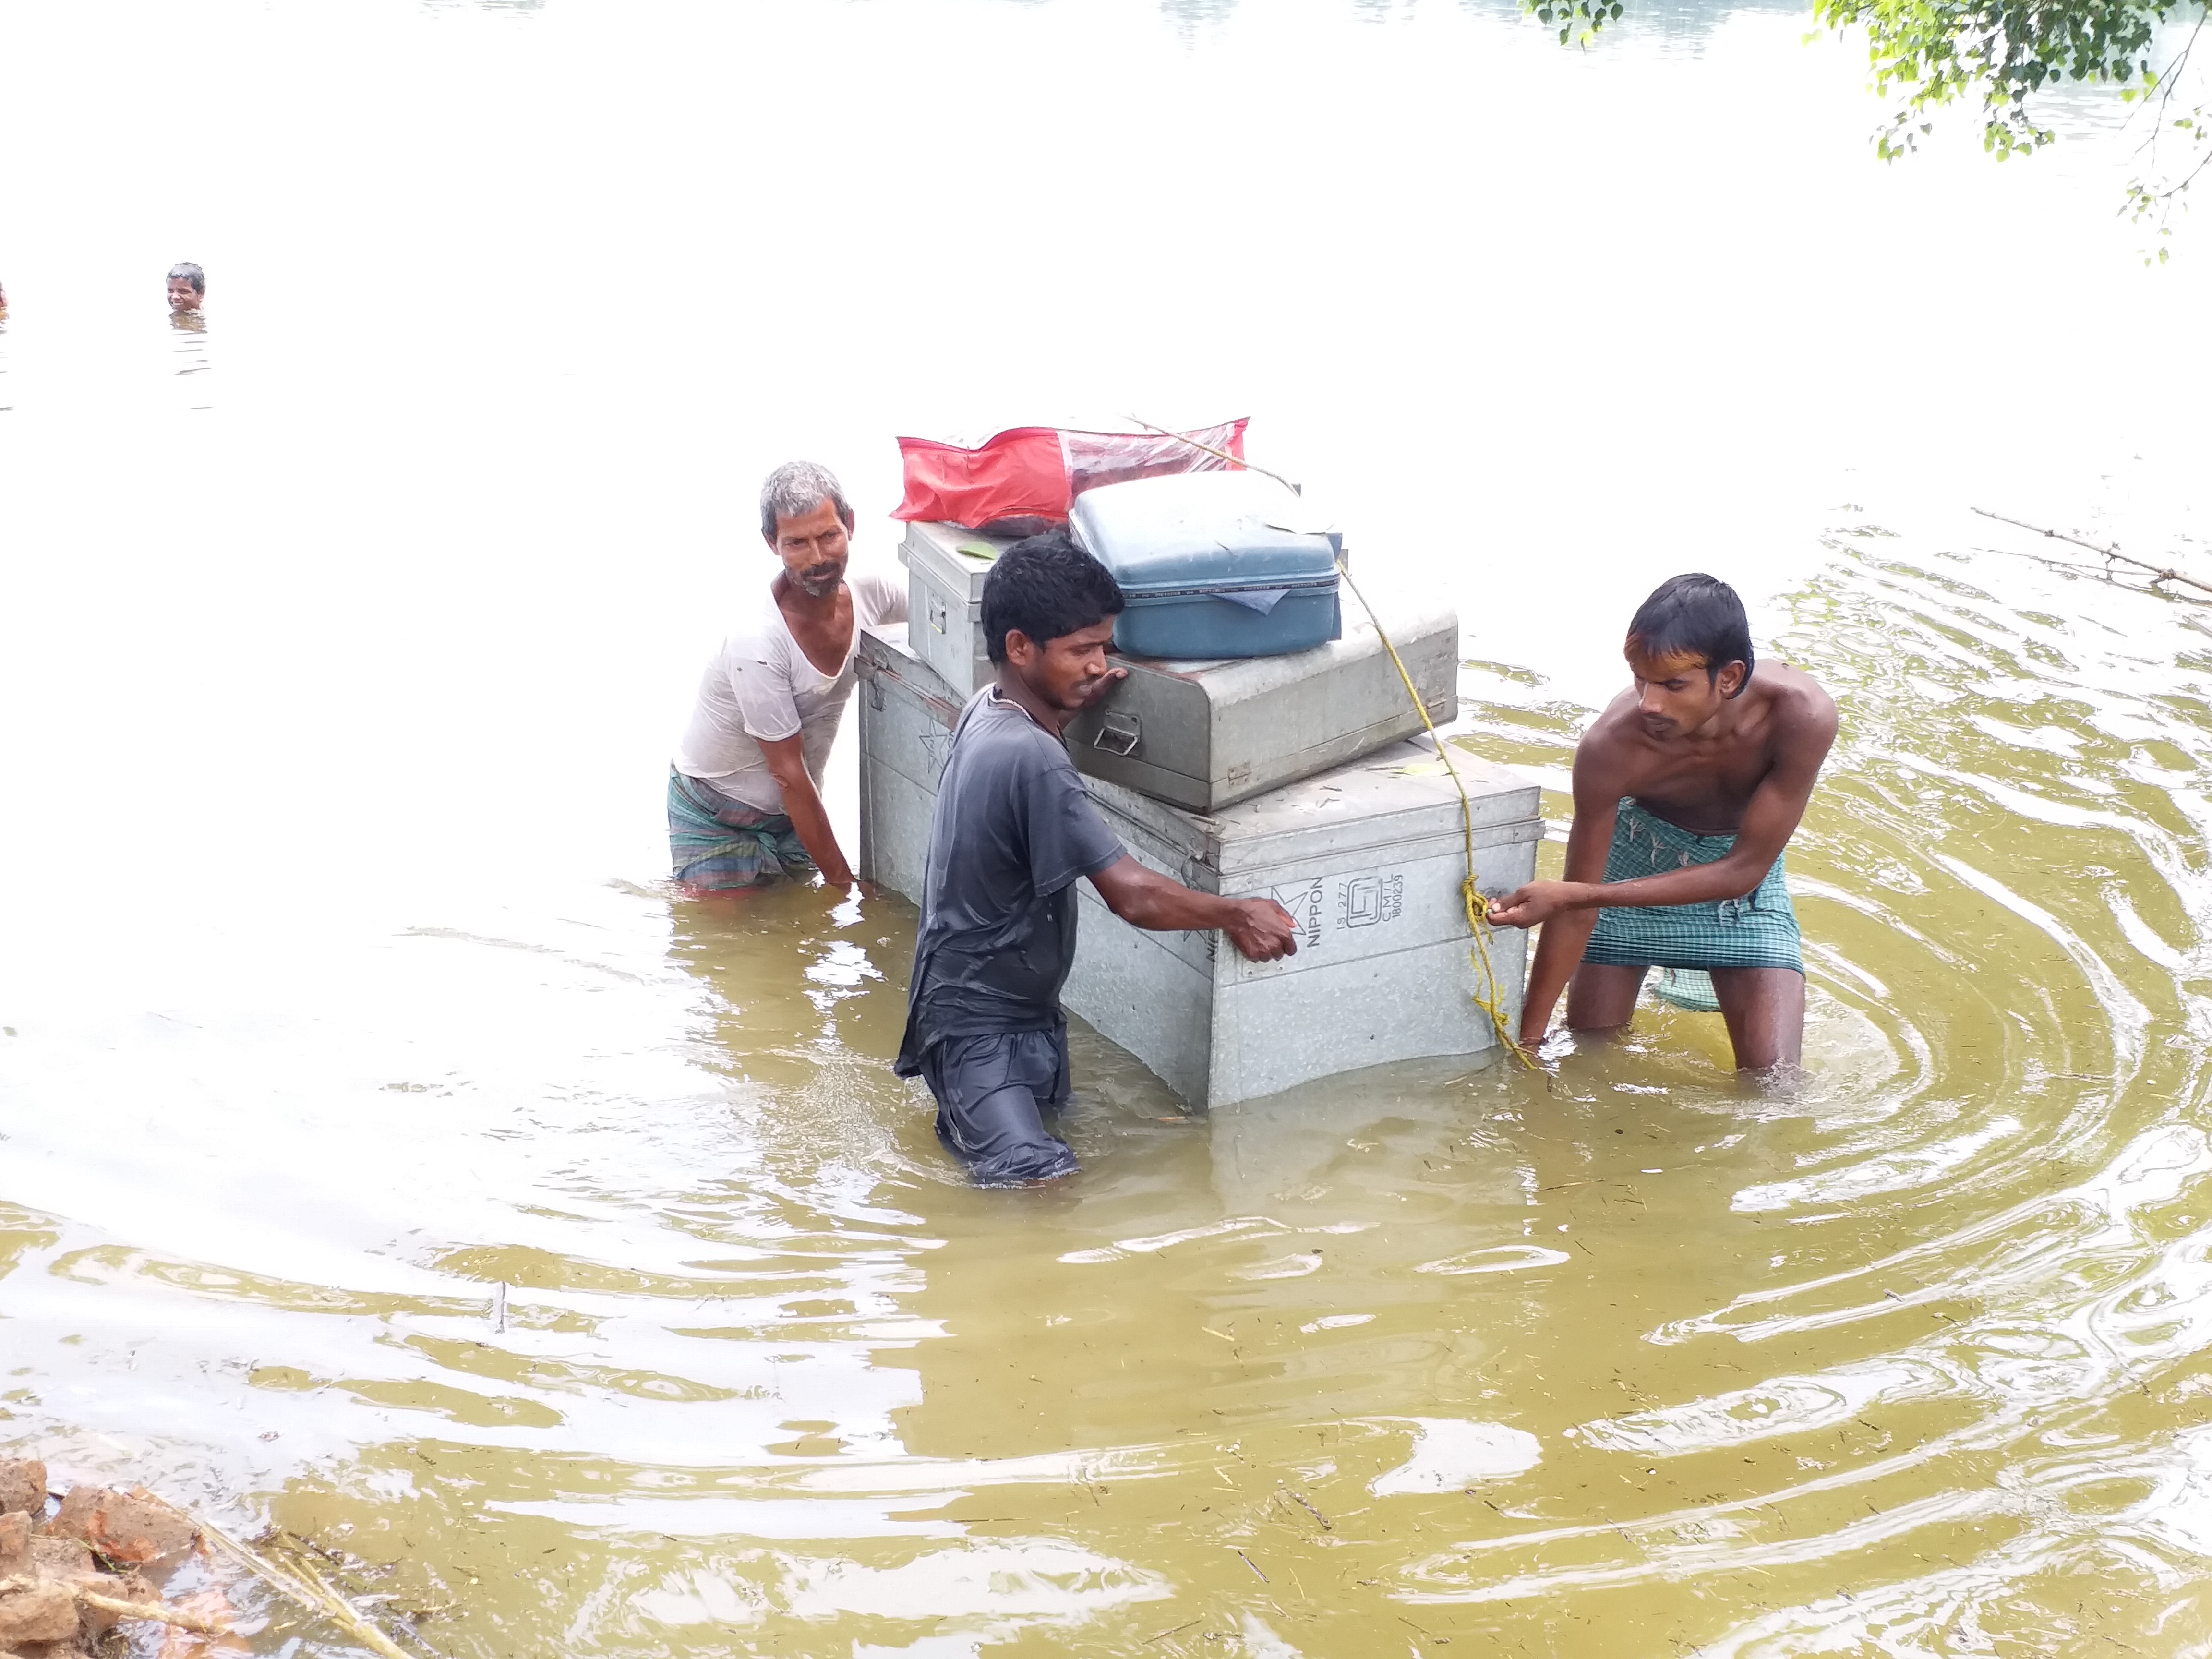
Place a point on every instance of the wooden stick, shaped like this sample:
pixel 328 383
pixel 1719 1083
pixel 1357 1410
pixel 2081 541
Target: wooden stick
pixel 122 1609
pixel 1220 454
pixel 154 1613
pixel 2157 574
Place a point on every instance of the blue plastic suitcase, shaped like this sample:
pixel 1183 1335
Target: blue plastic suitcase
pixel 1211 565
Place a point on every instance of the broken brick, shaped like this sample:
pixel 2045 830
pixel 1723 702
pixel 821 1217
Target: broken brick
pixel 123 1528
pixel 37 1613
pixel 22 1485
pixel 61 1558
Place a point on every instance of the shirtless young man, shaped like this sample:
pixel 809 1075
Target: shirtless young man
pixel 1686 790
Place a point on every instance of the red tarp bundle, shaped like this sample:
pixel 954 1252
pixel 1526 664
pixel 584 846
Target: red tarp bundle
pixel 1030 476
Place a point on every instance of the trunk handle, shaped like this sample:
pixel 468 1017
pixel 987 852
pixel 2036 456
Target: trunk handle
pixel 1118 733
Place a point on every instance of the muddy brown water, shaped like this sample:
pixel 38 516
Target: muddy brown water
pixel 344 643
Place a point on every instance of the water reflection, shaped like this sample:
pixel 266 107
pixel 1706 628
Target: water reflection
pixel 1396 1250
pixel 1962 941
pixel 195 389
pixel 385 1155
pixel 1450 1349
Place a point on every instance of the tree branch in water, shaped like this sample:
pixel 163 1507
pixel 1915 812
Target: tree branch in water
pixel 2112 555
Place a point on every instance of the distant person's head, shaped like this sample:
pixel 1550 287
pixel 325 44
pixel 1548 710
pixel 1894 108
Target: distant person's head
pixel 1689 647
pixel 187 287
pixel 807 520
pixel 1049 610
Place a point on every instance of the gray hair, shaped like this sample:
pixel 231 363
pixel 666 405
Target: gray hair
pixel 191 273
pixel 799 487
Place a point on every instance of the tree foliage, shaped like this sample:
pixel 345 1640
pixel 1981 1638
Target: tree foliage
pixel 2001 53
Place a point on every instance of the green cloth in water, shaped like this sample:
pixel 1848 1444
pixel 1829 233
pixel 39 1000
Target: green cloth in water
pixel 1687 988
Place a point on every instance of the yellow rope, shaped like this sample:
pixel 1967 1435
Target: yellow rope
pixel 1477 907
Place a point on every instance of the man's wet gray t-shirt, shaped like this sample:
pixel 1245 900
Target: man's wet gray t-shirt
pixel 1014 831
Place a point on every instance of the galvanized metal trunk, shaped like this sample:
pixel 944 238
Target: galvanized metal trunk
pixel 1368 857
pixel 1205 735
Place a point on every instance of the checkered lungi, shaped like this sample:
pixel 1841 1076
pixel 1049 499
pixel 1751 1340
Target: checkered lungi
pixel 717 842
pixel 1759 931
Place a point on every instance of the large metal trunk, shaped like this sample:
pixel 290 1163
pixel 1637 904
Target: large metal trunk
pixel 945 600
pixel 907 715
pixel 1368 857
pixel 1205 735
pixel 1200 733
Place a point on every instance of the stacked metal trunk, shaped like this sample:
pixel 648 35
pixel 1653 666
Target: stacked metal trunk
pixel 1302 777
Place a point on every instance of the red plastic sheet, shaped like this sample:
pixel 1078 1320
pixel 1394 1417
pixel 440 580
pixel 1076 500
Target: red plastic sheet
pixel 1028 477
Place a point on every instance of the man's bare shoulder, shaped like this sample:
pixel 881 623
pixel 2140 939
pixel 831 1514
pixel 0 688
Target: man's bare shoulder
pixel 1799 701
pixel 1607 744
pixel 1616 720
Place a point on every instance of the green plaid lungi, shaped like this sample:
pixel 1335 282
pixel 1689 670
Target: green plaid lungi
pixel 1759 931
pixel 717 842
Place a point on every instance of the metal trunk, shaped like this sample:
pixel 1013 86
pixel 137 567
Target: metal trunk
pixel 1368 857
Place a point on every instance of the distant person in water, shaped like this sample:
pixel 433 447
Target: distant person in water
pixel 1686 789
pixel 744 792
pixel 187 288
pixel 1014 829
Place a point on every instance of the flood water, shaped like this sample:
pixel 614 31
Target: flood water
pixel 346 641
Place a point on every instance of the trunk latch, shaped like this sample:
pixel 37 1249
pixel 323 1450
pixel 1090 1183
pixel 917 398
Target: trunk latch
pixel 1118 733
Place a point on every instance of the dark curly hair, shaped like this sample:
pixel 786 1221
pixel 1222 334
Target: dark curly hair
pixel 1045 587
pixel 1695 616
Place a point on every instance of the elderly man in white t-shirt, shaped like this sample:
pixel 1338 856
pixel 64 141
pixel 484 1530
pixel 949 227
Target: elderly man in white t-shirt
pixel 745 795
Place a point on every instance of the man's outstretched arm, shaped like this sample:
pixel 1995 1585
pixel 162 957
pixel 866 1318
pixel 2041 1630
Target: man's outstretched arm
pixel 1260 929
pixel 1769 820
pixel 1559 946
pixel 802 805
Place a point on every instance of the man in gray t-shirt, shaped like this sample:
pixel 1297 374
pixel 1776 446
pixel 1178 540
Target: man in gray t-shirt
pixel 1014 831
